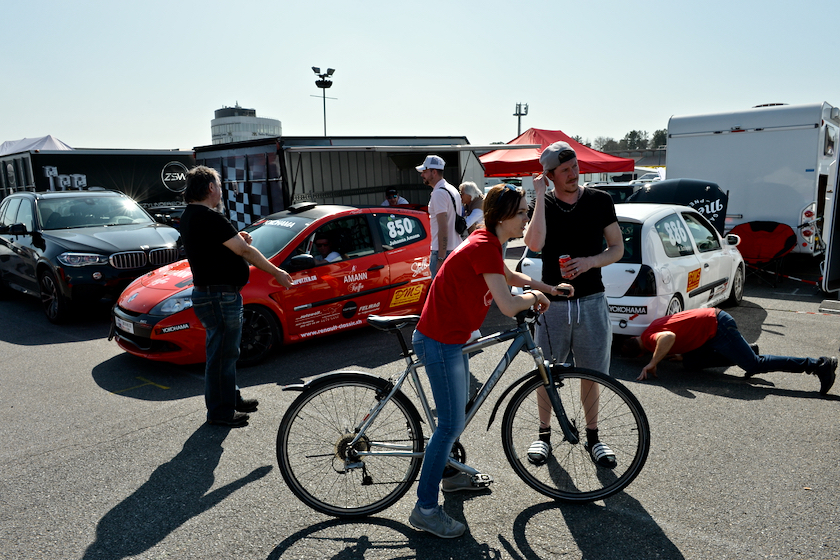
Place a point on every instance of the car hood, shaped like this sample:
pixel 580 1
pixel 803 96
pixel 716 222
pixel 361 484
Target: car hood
pixel 618 277
pixel 113 239
pixel 152 288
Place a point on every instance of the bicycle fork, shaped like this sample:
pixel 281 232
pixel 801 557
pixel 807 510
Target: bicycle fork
pixel 570 432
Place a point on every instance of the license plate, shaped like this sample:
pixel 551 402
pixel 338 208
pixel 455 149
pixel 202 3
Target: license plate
pixel 124 325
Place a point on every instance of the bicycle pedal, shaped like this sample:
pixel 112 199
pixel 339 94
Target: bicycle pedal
pixel 482 480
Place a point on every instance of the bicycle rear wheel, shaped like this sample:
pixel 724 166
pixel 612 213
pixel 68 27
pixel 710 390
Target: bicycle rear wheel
pixel 570 475
pixel 317 461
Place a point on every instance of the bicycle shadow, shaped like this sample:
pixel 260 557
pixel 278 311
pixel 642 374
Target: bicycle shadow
pixel 600 531
pixel 338 539
pixel 175 493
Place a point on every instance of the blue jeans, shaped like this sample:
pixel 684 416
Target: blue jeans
pixel 448 372
pixel 433 262
pixel 221 316
pixel 729 342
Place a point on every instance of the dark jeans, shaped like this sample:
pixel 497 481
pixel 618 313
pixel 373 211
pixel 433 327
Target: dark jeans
pixel 221 315
pixel 729 342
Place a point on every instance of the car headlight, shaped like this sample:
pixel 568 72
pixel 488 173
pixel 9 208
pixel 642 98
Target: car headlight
pixel 81 259
pixel 174 304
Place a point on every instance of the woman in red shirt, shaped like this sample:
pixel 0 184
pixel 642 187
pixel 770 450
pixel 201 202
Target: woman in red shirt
pixel 472 277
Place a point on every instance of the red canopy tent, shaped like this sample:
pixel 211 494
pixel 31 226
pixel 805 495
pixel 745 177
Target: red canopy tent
pixel 516 163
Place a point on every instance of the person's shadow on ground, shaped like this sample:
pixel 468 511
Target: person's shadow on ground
pixel 175 493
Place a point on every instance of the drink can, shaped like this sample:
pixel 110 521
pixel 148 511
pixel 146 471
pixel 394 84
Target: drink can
pixel 563 259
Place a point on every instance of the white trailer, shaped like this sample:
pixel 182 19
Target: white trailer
pixel 777 163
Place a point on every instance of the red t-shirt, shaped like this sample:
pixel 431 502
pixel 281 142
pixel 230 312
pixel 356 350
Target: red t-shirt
pixel 692 328
pixel 459 298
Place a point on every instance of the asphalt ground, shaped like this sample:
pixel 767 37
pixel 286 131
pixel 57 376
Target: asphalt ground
pixel 104 455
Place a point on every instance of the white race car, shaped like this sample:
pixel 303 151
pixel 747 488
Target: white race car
pixel 674 260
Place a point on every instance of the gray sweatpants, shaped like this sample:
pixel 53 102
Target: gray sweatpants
pixel 581 326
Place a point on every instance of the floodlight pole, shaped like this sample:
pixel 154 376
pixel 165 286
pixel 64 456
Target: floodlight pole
pixel 323 83
pixel 521 111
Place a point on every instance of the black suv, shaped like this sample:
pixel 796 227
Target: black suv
pixel 67 247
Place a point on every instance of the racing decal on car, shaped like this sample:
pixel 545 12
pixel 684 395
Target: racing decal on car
pixel 629 309
pixel 279 223
pixel 304 279
pixel 332 328
pixel 355 288
pixel 349 309
pixel 173 328
pixel 409 294
pixel 693 280
pixel 369 308
pixel 420 267
pixel 358 277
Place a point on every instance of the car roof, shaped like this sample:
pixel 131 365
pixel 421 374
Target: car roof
pixel 644 211
pixel 315 211
pixel 68 194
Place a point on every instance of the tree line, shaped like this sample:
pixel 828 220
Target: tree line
pixel 633 140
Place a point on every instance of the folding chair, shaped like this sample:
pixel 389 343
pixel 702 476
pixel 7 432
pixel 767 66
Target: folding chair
pixel 763 245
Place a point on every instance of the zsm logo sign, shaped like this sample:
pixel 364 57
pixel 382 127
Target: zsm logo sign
pixel 174 176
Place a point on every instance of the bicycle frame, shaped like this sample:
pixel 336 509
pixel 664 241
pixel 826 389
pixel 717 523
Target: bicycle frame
pixel 521 338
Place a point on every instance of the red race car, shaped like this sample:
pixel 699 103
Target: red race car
pixel 346 263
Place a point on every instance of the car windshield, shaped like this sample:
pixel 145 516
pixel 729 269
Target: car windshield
pixel 271 236
pixel 90 211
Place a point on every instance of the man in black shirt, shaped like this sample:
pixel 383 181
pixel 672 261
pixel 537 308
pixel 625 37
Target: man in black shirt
pixel 219 258
pixel 574 221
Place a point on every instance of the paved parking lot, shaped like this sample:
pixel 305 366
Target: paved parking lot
pixel 106 456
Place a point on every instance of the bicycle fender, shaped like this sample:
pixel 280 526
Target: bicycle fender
pixel 300 387
pixel 513 386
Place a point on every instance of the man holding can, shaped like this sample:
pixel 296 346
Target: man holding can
pixel 571 223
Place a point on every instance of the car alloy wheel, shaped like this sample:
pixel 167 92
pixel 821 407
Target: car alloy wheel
pixel 260 334
pixel 737 293
pixel 674 306
pixel 53 302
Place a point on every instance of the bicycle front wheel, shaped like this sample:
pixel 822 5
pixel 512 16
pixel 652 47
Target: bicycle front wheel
pixel 324 470
pixel 570 475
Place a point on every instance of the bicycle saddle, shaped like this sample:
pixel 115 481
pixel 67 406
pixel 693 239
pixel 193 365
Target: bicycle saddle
pixel 392 323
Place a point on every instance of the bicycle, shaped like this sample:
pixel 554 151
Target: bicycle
pixel 351 444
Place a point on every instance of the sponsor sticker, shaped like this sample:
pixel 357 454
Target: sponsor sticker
pixel 408 294
pixel 629 309
pixel 693 280
pixel 173 328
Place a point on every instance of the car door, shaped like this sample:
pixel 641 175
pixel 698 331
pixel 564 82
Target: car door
pixel 680 268
pixel 404 238
pixel 19 252
pixel 715 263
pixel 332 296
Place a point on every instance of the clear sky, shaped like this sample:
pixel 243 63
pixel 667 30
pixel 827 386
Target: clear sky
pixel 150 74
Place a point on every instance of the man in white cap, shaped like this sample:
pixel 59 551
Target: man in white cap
pixel 444 205
pixel 574 221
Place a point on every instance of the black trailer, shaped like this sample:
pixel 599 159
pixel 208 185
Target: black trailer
pixel 264 176
pixel 154 178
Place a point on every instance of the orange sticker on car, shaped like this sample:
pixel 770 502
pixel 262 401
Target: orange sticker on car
pixel 409 294
pixel 693 280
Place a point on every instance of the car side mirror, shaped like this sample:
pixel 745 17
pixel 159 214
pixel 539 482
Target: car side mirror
pixel 301 262
pixel 733 239
pixel 17 229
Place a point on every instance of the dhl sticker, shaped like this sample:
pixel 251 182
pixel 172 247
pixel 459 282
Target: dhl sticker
pixel 693 280
pixel 408 294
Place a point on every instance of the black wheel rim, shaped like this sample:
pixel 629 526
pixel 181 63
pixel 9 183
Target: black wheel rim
pixel 49 296
pixel 257 335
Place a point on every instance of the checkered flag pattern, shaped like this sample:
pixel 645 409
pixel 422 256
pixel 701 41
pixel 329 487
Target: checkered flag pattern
pixel 247 198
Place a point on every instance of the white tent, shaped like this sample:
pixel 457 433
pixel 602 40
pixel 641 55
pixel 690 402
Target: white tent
pixel 27 144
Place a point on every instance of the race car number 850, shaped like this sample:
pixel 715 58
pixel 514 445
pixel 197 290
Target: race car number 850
pixel 399 228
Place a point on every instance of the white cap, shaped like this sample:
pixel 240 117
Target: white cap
pixel 432 162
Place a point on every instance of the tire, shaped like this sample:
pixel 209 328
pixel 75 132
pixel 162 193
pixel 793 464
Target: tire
pixel 736 294
pixel 260 335
pixel 311 446
pixel 56 307
pixel 570 474
pixel 675 305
